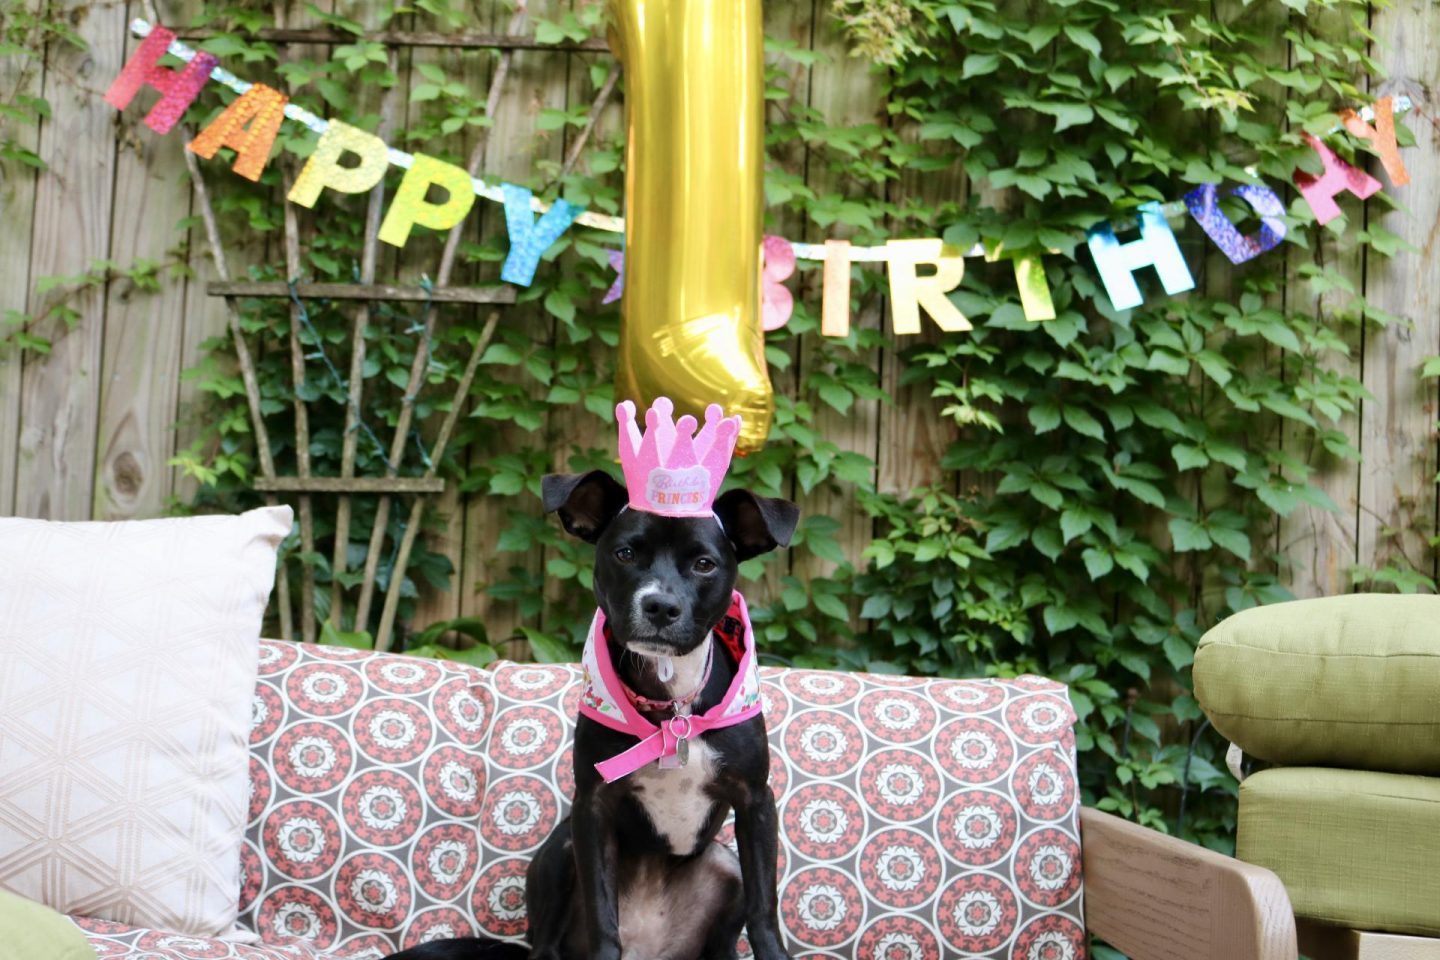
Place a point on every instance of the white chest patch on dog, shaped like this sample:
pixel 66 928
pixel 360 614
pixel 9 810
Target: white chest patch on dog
pixel 675 799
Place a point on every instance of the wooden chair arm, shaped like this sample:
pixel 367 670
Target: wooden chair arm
pixel 1158 898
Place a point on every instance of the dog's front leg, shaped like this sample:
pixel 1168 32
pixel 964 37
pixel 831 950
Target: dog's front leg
pixel 596 862
pixel 755 834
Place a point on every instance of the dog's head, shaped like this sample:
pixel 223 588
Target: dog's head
pixel 665 582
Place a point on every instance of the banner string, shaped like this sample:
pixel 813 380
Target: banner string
pixel 610 224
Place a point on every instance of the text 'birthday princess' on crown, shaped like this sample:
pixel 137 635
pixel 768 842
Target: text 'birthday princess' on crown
pixel 670 469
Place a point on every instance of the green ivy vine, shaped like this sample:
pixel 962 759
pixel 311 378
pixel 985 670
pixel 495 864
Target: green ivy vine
pixel 1113 479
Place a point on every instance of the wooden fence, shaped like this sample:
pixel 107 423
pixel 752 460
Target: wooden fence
pixel 87 430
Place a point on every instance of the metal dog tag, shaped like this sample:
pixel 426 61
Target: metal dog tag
pixel 681 756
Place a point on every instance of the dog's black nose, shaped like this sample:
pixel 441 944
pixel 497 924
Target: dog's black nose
pixel 661 611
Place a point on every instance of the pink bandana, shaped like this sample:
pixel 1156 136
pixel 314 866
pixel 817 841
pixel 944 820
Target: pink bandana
pixel 605 700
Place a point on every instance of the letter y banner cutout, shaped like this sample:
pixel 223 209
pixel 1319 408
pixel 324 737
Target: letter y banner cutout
pixel 529 240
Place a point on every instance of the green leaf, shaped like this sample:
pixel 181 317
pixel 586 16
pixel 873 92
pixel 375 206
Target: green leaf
pixel 1074 523
pixel 1178 651
pixel 548 33
pixel 1286 407
pixel 330 636
pixel 831 605
pixel 1047 495
pixel 1235 541
pixel 836 395
pixel 1059 619
pixel 559 304
pixel 551 119
pixel 1188 535
pixel 1118 75
pixel 547 649
pixel 875 607
pixel 480 655
pixel 1153 415
pixel 1097 562
pixel 1083 39
pixel 1070 115
pixel 1082 422
pixel 979 64
pixel 1167 362
pixel 472 627
pixel 1044 417
pixel 501 353
pixel 928 550
pixel 1188 457
pixel 1003 536
pixel 1216 367
pixel 1047 541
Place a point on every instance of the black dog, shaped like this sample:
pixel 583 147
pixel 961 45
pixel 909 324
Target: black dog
pixel 634 873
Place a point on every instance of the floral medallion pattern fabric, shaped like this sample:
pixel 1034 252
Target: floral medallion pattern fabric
pixel 920 819
pixel 396 801
pixel 367 781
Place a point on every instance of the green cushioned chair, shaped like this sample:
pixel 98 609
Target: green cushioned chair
pixel 1341 697
pixel 31 931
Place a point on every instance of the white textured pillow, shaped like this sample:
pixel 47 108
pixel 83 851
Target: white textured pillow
pixel 128 656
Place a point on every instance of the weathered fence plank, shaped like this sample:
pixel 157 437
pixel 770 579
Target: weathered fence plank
pixel 510 151
pixel 1397 488
pixel 60 392
pixel 144 331
pixel 447 519
pixel 17 211
pixel 844 90
pixel 913 435
pixel 1318 543
pixel 794 22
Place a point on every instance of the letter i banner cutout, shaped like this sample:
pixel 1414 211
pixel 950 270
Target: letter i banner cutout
pixel 922 271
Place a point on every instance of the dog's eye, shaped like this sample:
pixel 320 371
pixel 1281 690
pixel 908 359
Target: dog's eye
pixel 704 565
pixel 625 555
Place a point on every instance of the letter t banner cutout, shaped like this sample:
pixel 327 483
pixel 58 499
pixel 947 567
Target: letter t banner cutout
pixel 263 109
pixel 1203 204
pixel 177 87
pixel 1030 280
pixel 1320 192
pixel 1156 247
pixel 529 240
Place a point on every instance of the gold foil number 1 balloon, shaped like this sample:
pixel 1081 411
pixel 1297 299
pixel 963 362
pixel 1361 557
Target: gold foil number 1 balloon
pixel 694 176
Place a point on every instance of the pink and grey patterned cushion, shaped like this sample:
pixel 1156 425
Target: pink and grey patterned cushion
pixel 397 800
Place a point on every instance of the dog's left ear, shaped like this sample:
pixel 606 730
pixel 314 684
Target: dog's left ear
pixel 756 525
pixel 587 501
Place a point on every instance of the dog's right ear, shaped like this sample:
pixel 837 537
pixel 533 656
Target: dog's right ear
pixel 587 502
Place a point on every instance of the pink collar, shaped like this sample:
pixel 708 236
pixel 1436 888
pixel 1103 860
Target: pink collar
pixel 606 699
pixel 675 706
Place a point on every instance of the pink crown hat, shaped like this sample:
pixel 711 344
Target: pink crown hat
pixel 670 469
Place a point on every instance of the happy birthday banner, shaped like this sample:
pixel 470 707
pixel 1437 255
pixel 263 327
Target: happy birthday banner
pixel 250 124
